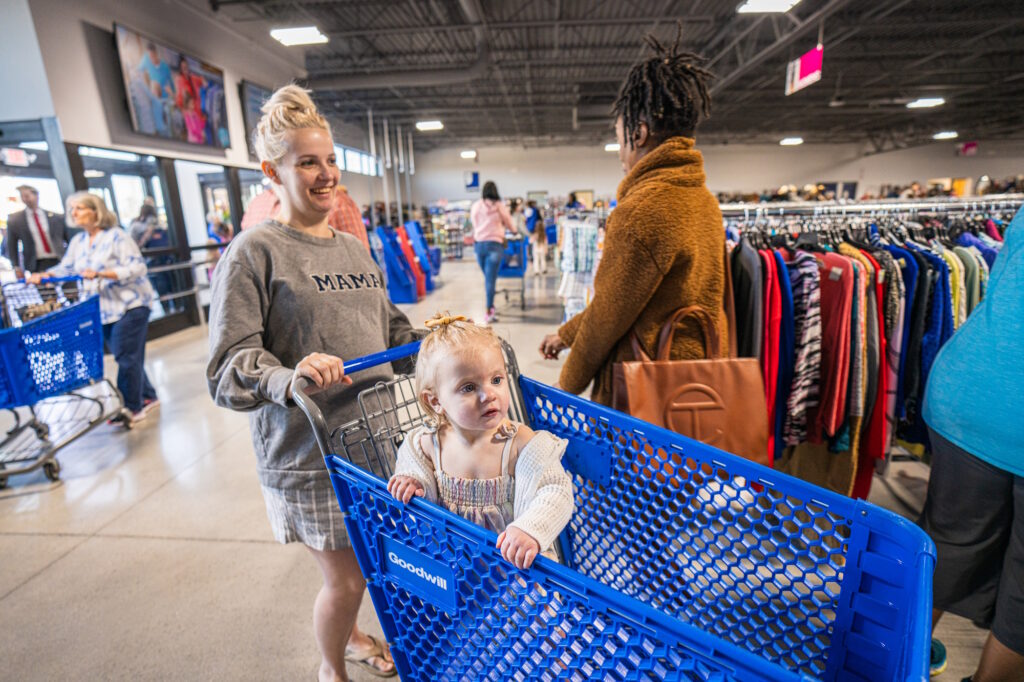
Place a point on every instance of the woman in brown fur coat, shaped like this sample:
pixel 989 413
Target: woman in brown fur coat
pixel 664 242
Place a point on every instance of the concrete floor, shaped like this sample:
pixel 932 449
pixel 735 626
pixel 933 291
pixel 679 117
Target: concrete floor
pixel 152 558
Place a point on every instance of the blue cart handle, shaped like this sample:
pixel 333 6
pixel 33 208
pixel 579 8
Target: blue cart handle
pixel 49 280
pixel 375 359
pixel 301 386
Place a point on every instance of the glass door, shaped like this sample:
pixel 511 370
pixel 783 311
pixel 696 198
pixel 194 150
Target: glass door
pixel 205 206
pixel 131 186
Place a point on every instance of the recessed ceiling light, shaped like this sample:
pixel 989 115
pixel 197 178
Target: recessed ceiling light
pixel 765 6
pixel 468 154
pixel 945 135
pixel 612 147
pixel 926 103
pixel 791 141
pixel 300 35
pixel 429 125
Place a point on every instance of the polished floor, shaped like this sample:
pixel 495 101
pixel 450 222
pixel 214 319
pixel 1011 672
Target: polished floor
pixel 152 558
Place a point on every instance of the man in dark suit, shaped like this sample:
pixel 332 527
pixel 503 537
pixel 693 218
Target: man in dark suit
pixel 42 235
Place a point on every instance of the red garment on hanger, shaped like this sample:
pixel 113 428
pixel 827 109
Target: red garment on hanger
pixel 770 345
pixel 872 444
pixel 836 308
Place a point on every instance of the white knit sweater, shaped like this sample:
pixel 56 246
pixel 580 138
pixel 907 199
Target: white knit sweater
pixel 542 502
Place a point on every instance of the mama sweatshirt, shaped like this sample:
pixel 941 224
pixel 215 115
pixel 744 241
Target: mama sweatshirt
pixel 278 295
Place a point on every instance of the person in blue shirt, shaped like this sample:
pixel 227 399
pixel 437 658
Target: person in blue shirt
pixel 157 71
pixel 975 506
pixel 574 204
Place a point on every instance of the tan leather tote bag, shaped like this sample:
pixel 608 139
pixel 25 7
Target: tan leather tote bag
pixel 719 400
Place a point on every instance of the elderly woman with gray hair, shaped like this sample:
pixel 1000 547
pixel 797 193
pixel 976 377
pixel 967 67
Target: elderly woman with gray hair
pixel 109 261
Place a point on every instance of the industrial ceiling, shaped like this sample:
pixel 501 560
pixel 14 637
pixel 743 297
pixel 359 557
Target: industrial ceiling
pixel 543 72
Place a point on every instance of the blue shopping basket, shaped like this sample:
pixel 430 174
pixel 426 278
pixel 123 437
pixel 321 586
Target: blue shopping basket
pixel 52 354
pixel 683 562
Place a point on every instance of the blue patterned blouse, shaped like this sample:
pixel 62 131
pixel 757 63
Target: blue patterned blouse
pixel 113 250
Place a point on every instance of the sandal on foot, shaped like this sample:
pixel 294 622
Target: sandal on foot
pixel 363 659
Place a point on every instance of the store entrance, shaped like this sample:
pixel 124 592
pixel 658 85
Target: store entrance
pixel 26 163
pixel 133 187
pixel 206 209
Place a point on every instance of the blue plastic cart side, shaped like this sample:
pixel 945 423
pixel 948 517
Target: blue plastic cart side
pixel 811 580
pixel 514 262
pixel 454 610
pixel 53 354
pixel 401 282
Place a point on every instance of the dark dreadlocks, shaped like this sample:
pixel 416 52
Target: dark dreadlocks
pixel 667 91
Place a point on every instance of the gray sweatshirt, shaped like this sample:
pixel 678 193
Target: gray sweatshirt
pixel 278 295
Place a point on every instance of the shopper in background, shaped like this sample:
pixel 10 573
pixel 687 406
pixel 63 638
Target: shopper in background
pixel 574 204
pixel 346 217
pixel 518 218
pixel 975 506
pixel 148 233
pixel 490 221
pixel 664 244
pixel 343 217
pixel 105 255
pixel 279 312
pixel 41 234
pixel 538 237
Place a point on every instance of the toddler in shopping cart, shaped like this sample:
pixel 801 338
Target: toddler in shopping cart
pixel 470 457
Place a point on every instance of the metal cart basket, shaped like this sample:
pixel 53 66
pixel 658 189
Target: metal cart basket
pixel 682 562
pixel 51 373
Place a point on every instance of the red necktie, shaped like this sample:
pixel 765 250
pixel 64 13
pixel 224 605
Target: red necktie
pixel 42 233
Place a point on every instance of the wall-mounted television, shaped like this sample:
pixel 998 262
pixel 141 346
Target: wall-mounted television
pixel 171 94
pixel 253 96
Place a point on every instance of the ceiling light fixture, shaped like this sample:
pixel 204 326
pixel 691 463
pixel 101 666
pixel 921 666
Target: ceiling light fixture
pixel 301 35
pixel 926 103
pixel 429 125
pixel 945 135
pixel 612 147
pixel 766 6
pixel 791 141
pixel 468 154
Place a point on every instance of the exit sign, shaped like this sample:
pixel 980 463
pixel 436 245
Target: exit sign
pixel 804 71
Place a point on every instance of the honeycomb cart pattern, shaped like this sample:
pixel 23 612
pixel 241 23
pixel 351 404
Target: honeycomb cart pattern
pixel 53 354
pixel 508 624
pixel 817 583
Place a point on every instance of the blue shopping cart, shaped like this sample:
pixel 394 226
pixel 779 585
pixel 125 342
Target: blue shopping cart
pixel 514 263
pixel 682 562
pixel 51 373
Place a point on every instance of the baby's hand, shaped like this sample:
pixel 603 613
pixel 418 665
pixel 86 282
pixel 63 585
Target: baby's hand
pixel 518 547
pixel 403 488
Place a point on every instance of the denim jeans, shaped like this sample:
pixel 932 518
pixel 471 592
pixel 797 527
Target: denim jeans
pixel 126 339
pixel 489 255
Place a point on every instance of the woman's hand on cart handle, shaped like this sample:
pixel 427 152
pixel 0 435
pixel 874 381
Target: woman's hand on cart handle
pixel 36 277
pixel 322 369
pixel 404 488
pixel 518 547
pixel 551 346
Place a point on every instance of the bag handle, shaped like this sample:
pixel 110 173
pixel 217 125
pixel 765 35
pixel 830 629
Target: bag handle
pixel 712 342
pixel 729 304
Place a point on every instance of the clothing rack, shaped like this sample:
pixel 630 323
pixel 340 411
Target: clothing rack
pixel 941 205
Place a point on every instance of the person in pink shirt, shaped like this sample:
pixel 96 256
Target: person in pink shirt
pixel 490 219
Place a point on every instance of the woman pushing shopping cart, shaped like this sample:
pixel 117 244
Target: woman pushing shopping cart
pixel 679 562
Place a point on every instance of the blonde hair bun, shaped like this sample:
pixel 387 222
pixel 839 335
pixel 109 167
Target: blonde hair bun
pixel 289 108
pixel 450 335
